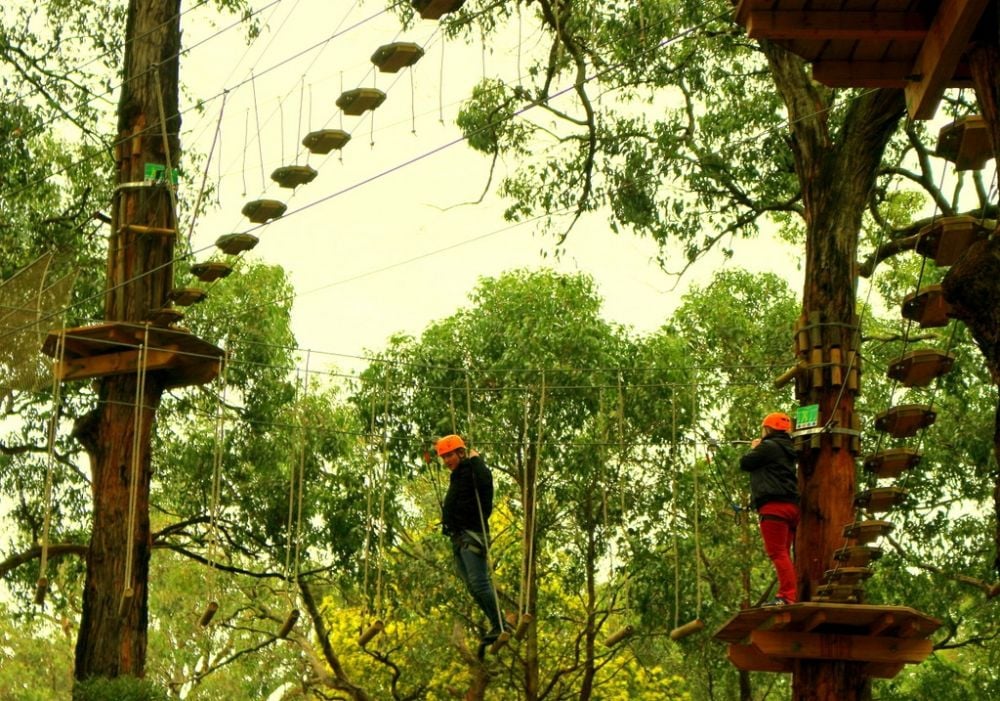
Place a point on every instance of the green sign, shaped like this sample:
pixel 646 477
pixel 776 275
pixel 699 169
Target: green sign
pixel 807 416
pixel 153 173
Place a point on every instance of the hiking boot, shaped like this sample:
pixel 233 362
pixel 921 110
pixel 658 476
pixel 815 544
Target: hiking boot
pixel 776 601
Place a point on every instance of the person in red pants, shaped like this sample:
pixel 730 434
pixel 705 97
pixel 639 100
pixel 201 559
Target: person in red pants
pixel 774 490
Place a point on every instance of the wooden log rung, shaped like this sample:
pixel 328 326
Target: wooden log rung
pixel 619 635
pixel 41 589
pixel 210 610
pixel 687 629
pixel 289 623
pixel 502 640
pixel 522 626
pixel 370 632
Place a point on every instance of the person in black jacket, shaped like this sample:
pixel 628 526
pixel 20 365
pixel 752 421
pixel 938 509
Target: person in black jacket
pixel 774 489
pixel 465 518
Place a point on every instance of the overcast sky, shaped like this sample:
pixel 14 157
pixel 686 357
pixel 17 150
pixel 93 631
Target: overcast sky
pixel 380 242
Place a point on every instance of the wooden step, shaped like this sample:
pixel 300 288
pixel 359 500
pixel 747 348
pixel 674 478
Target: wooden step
pixel 323 141
pixel 892 462
pixel 880 499
pixel 400 54
pixel 947 238
pixel 164 316
pixel 293 176
pixel 263 211
pixel 847 576
pixel 966 143
pixel 905 420
pixel 210 271
pixel 865 532
pixel 234 244
pixel 839 593
pixel 857 555
pixel 434 9
pixel 360 100
pixel 186 296
pixel 927 306
pixel 920 367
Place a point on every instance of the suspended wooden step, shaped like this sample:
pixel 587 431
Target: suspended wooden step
pixel 965 142
pixel 391 57
pixel 927 307
pixel 263 211
pixel 164 316
pixel 293 176
pixel 839 593
pixel 857 555
pixel 325 140
pixel 234 244
pixel 41 589
pixel 147 230
pixel 690 628
pixel 289 623
pixel 500 642
pixel 867 531
pixel 880 499
pixel 210 271
pixel 891 463
pixel 186 296
pixel 522 626
pixel 434 9
pixel 370 632
pixel 920 367
pixel 210 610
pixel 947 238
pixel 905 420
pixel 360 100
pixel 847 576
pixel 619 635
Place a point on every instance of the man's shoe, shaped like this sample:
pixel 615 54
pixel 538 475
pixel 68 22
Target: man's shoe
pixel 776 601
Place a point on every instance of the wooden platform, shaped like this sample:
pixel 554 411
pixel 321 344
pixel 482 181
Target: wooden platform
pixel 772 639
pixel 178 357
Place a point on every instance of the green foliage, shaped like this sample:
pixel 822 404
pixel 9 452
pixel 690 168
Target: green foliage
pixel 117 689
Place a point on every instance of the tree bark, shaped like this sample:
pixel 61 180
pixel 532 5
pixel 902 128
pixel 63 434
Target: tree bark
pixel 837 171
pixel 112 636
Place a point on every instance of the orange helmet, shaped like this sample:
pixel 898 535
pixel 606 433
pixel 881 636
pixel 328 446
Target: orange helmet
pixel 448 444
pixel 778 421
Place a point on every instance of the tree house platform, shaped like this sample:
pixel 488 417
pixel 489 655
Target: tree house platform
pixel 927 306
pixel 773 639
pixel 434 9
pixel 390 58
pixel 966 143
pixel 178 357
pixel 358 101
pixel 947 238
pixel 886 44
pixel 323 141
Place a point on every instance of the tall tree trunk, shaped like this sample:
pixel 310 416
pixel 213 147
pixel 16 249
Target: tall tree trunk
pixel 837 171
pixel 112 636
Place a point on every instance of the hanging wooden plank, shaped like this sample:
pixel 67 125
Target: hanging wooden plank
pixel 234 244
pixel 210 271
pixel 867 531
pixel 927 306
pixel 293 176
pixel 947 238
pixel 965 142
pixel 263 211
pixel 920 367
pixel 323 141
pixel 839 593
pixel 434 9
pixel 370 632
pixel 905 420
pixel 360 100
pixel 892 462
pixel 881 499
pixel 828 646
pixel 750 659
pixel 390 58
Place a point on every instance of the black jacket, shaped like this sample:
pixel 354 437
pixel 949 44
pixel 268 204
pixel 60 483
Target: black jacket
pixel 460 511
pixel 772 470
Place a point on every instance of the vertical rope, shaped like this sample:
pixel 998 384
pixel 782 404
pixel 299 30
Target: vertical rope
pixel 673 508
pixel 697 504
pixel 302 463
pixel 140 394
pixel 246 143
pixel 260 146
pixel 220 434
pixel 522 606
pixel 621 477
pixel 534 489
pixel 379 594
pixel 57 363
pixel 369 523
pixel 441 84
pixel 204 175
pixel 168 180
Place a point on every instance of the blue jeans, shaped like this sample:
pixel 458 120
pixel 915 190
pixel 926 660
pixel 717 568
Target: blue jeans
pixel 471 567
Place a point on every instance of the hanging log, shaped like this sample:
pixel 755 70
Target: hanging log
pixel 498 644
pixel 41 589
pixel 523 625
pixel 209 614
pixel 687 629
pixel 289 623
pixel 619 635
pixel 370 632
pixel 325 140
pixel 234 244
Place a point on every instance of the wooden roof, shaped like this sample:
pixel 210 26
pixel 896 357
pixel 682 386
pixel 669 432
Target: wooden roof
pixel 913 44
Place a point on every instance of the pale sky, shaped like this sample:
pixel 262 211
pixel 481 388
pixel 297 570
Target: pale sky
pixel 334 249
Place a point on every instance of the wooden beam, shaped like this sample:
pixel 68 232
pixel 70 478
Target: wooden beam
pixel 851 648
pixel 862 74
pixel 814 621
pixel 750 659
pixel 946 41
pixel 881 624
pixel 123 363
pixel 814 25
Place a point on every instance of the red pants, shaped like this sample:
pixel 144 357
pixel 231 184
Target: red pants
pixel 778 521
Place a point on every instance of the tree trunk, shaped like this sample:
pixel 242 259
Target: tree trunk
pixel 112 637
pixel 837 171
